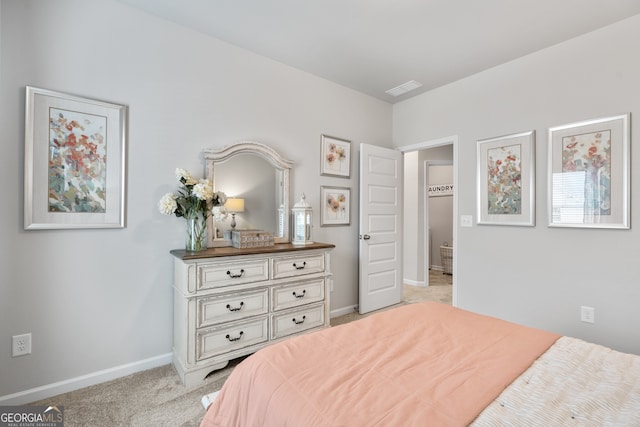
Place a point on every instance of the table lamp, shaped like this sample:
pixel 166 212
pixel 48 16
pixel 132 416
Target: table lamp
pixel 234 205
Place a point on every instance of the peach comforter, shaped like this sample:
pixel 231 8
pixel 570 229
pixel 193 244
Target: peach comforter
pixel 420 364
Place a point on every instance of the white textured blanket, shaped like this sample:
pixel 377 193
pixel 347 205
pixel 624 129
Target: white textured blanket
pixel 573 383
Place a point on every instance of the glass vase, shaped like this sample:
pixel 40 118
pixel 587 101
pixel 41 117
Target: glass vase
pixel 196 233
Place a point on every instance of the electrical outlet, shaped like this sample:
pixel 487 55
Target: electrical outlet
pixel 587 314
pixel 21 345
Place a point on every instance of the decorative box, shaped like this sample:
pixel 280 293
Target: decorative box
pixel 251 238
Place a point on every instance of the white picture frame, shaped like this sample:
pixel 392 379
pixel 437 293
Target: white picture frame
pixel 506 180
pixel 335 156
pixel 335 206
pixel 75 161
pixel 588 174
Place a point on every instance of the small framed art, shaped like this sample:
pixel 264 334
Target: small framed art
pixel 336 202
pixel 75 155
pixel 335 156
pixel 589 174
pixel 506 180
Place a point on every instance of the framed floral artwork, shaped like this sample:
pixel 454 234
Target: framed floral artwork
pixel 589 169
pixel 506 180
pixel 75 155
pixel 336 202
pixel 335 156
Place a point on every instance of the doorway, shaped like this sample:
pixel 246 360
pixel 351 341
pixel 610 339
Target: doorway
pixel 438 214
pixel 417 244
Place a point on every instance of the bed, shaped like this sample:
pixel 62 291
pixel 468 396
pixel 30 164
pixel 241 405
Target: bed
pixel 430 364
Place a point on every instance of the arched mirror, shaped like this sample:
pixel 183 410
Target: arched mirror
pixel 259 176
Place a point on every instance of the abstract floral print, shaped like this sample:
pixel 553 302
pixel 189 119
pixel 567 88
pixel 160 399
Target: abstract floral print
pixel 77 162
pixel 590 153
pixel 336 205
pixel 504 180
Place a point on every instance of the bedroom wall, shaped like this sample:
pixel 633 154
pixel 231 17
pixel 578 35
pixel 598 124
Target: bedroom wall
pixel 99 302
pixel 541 276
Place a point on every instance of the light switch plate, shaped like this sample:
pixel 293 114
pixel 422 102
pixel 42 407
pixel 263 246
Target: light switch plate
pixel 466 221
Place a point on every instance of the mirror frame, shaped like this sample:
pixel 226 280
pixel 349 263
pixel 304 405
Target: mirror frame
pixel 217 155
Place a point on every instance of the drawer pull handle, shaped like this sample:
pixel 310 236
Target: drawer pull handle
pixel 235 276
pixel 300 267
pixel 304 291
pixel 235 339
pixel 235 308
pixel 299 322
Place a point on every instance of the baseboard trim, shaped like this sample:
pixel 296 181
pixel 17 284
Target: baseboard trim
pixel 415 283
pixel 54 389
pixel 342 311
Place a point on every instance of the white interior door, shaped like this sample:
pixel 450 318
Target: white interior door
pixel 380 227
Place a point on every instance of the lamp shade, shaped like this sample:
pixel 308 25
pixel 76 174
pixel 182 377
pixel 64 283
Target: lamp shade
pixel 234 205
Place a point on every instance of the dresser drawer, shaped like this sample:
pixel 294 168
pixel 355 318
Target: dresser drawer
pixel 229 307
pixel 297 294
pixel 299 320
pixel 220 274
pixel 219 340
pixel 297 265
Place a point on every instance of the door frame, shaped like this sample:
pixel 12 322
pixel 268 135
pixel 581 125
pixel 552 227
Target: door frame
pixel 448 140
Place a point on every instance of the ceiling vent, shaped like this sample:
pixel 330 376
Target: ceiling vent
pixel 404 88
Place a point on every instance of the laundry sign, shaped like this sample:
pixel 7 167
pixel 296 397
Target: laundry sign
pixel 440 190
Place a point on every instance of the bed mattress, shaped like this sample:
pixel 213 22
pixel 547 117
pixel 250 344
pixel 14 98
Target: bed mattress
pixel 420 364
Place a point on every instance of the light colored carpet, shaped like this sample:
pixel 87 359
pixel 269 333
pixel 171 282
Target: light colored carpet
pixel 157 398
pixel 439 289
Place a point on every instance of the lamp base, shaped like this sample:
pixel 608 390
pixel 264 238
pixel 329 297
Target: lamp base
pixel 233 221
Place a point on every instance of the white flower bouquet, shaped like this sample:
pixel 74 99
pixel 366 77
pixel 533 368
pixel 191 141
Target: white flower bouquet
pixel 194 202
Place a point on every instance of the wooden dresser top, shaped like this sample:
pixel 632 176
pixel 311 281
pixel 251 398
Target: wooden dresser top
pixel 231 251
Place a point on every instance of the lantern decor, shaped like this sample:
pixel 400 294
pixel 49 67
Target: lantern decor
pixel 302 220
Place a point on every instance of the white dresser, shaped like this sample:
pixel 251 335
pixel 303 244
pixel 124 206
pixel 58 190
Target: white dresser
pixel 230 302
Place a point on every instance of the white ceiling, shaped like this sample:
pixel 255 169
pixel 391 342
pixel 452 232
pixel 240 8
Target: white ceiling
pixel 375 45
